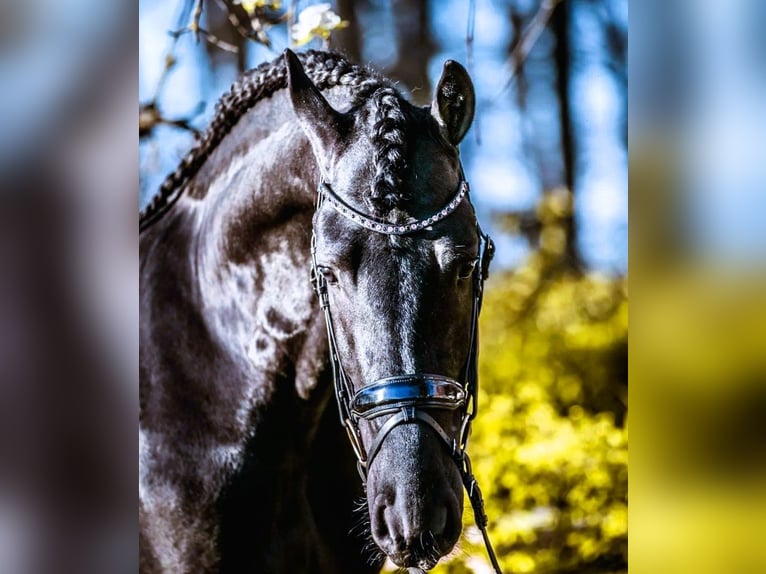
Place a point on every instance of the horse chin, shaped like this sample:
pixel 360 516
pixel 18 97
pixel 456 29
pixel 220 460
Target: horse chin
pixel 422 566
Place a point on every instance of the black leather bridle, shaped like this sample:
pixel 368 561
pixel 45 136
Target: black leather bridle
pixel 405 397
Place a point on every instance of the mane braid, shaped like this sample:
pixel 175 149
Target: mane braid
pixel 390 156
pixel 326 70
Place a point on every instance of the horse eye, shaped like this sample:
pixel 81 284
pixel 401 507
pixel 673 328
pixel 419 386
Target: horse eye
pixel 328 275
pixel 467 270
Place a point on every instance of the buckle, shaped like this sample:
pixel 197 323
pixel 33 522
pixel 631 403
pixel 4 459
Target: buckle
pixel 355 440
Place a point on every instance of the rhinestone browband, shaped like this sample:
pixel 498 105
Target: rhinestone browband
pixel 389 228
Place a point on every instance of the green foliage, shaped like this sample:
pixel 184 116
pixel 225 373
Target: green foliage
pixel 549 446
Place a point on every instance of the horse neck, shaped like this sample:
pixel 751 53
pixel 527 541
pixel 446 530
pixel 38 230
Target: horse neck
pixel 230 261
pixel 253 202
pixel 228 266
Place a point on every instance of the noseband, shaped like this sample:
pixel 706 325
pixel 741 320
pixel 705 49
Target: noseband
pixel 405 398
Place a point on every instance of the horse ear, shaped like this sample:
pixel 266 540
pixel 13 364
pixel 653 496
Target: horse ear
pixel 320 122
pixel 454 102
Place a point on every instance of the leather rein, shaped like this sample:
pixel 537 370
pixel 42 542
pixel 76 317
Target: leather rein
pixel 405 398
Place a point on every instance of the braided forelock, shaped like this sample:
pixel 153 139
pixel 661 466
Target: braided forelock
pixel 389 139
pixel 326 70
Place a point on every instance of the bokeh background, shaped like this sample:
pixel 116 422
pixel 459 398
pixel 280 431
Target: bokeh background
pixel 547 162
pixel 69 166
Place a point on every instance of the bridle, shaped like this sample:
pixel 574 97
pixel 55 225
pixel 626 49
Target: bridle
pixel 405 397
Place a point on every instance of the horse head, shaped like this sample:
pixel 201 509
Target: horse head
pixel 396 250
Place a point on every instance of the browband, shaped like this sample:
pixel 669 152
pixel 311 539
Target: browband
pixel 382 226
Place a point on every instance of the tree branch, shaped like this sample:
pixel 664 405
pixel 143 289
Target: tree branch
pixel 196 18
pixel 209 37
pixel 469 41
pixel 527 40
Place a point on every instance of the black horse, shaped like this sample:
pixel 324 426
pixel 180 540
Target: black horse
pixel 243 465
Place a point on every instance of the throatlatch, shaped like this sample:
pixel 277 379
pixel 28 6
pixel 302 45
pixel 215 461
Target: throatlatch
pixel 405 397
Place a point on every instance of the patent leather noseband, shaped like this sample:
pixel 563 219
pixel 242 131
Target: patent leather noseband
pixel 403 397
pixel 406 398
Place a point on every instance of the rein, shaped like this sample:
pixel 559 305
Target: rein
pixel 405 397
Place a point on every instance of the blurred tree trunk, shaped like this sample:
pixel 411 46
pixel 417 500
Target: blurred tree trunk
pixel 541 93
pixel 348 40
pixel 617 54
pixel 415 47
pixel 560 25
pixel 561 55
pixel 517 25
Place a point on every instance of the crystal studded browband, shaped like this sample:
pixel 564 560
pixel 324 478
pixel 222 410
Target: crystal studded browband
pixel 387 227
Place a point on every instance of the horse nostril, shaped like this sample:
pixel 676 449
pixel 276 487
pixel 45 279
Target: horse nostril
pixel 387 528
pixel 379 526
pixel 454 523
pixel 439 520
pixel 445 526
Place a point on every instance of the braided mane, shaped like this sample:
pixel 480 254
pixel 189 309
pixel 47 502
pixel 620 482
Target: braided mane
pixel 389 140
pixel 326 70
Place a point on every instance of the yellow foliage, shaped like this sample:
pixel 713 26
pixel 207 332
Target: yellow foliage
pixel 549 446
pixel 253 5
